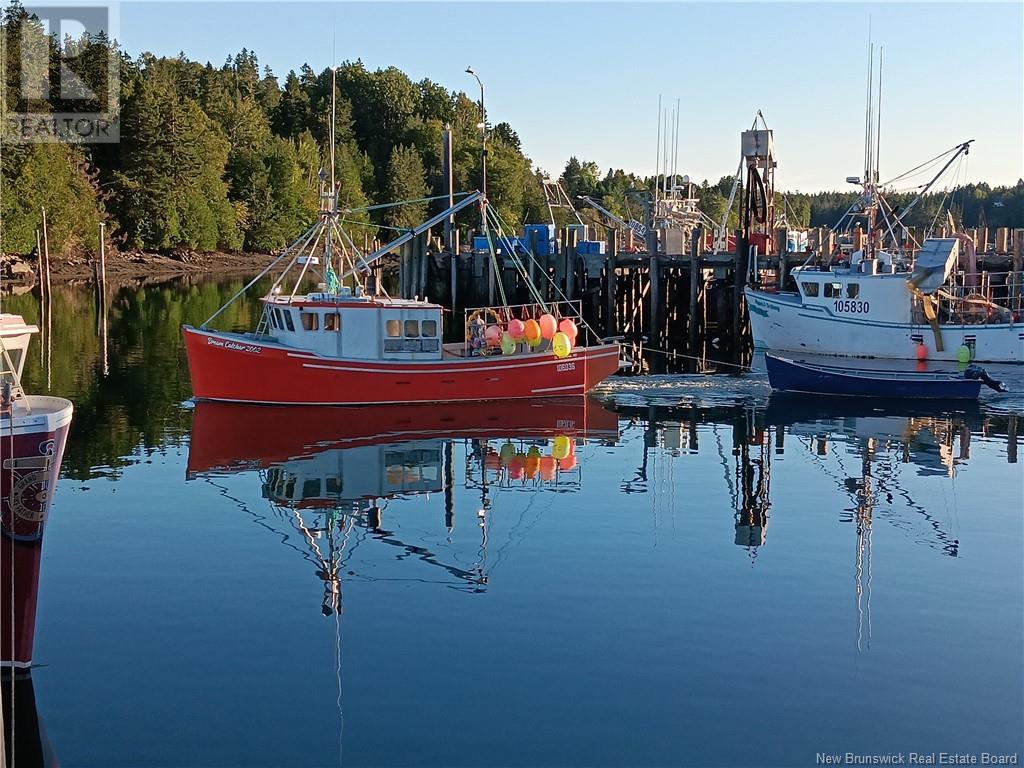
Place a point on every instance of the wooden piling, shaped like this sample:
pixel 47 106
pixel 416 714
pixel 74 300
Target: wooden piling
pixel 611 259
pixel 1011 439
pixel 741 266
pixel 696 241
pixel 1018 261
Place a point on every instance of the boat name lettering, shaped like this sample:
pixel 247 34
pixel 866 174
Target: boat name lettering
pixel 234 345
pixel 565 367
pixel 850 305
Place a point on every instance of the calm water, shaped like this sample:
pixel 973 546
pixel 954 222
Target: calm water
pixel 685 573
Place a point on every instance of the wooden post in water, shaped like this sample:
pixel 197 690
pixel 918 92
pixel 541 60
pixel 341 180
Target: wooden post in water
pixel 696 243
pixel 101 295
pixel 1018 261
pixel 741 267
pixel 1011 439
pixel 610 261
pixel 654 324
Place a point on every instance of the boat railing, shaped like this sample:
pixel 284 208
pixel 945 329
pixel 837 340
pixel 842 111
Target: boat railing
pixel 478 319
pixel 979 298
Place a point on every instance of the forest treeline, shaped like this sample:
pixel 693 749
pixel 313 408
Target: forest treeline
pixel 230 157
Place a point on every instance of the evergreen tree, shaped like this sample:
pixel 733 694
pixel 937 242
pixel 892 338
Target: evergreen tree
pixel 406 181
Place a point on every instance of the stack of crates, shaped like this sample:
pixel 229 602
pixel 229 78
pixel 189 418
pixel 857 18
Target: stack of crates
pixel 591 248
pixel 545 235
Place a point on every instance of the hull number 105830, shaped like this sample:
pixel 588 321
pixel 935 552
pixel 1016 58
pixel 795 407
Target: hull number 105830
pixel 852 305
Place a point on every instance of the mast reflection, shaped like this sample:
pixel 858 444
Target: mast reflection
pixel 330 473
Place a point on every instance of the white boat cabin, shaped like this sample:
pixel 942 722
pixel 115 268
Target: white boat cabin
pixel 15 335
pixel 354 326
pixel 876 289
pixel 883 296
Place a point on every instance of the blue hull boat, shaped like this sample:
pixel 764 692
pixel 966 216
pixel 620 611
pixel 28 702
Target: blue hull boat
pixel 811 378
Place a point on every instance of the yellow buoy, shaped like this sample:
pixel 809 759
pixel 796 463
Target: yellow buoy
pixel 561 447
pixel 561 345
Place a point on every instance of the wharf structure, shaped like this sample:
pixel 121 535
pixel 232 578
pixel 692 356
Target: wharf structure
pixel 671 288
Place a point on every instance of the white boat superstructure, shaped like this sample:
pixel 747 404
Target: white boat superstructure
pixel 879 308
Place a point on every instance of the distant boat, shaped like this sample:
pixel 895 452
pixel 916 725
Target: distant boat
pixel 812 378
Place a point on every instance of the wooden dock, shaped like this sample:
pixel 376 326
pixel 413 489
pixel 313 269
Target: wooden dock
pixel 674 313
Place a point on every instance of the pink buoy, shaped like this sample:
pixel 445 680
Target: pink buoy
pixel 548 326
pixel 493 335
pixel 516 329
pixel 568 327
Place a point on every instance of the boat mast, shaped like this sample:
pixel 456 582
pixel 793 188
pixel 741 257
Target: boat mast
pixel 870 180
pixel 329 205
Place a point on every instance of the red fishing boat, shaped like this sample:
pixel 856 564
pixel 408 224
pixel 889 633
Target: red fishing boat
pixel 33 431
pixel 346 345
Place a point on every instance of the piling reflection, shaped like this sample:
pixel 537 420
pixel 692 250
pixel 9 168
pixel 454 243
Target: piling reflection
pixel 888 443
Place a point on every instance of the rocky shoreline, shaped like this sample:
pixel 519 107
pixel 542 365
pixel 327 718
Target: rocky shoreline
pixel 18 270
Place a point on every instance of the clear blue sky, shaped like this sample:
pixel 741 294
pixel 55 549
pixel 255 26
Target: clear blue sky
pixel 584 78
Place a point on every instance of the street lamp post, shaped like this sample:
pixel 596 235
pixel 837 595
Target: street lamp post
pixel 483 134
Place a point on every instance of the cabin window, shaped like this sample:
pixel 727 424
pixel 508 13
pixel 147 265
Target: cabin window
pixel 332 321
pixel 833 290
pixel 311 488
pixel 334 486
pixel 310 321
pixel 852 290
pixel 412 329
pixel 271 319
pixel 288 320
pixel 428 328
pixel 277 316
pixel 15 358
pixel 394 329
pixel 810 289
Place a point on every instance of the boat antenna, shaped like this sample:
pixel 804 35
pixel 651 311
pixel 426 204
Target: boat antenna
pixel 657 153
pixel 878 118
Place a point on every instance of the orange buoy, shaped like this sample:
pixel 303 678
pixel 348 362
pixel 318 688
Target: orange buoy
pixel 532 464
pixel 548 326
pixel 531 332
pixel 547 468
pixel 516 467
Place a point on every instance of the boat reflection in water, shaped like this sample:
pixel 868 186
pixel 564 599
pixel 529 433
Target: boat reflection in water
pixel 328 471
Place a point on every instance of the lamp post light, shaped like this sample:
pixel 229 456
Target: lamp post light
pixel 482 125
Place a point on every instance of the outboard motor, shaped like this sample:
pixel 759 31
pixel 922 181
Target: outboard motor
pixel 977 372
